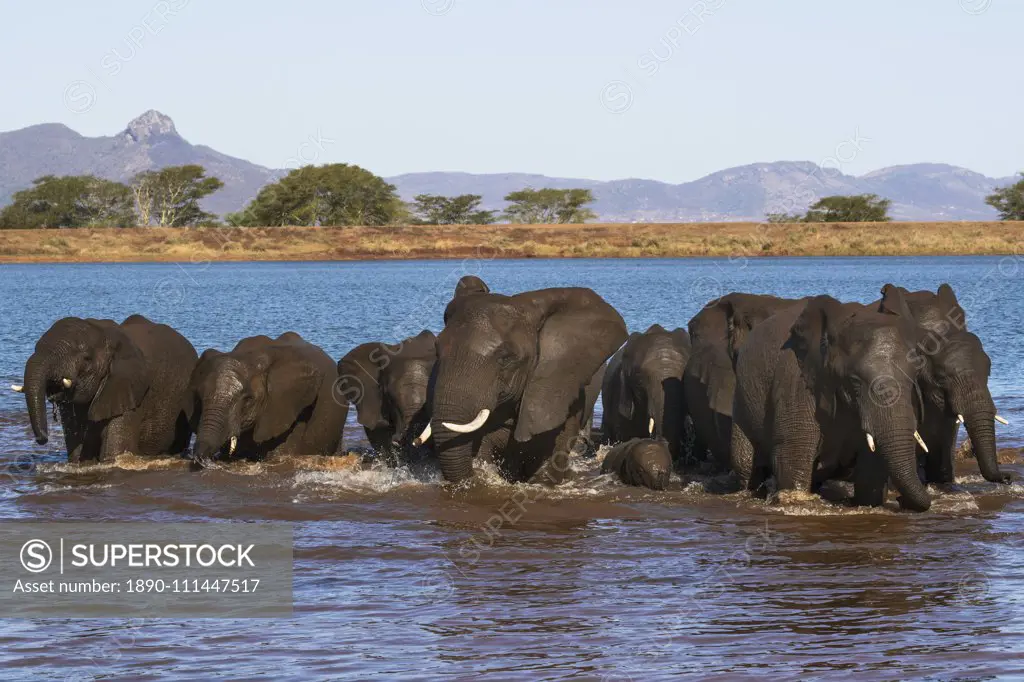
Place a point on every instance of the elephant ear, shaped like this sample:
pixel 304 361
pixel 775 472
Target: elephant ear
pixel 359 382
pixel 812 338
pixel 738 324
pixel 719 379
pixel 894 302
pixel 292 386
pixel 951 308
pixel 578 331
pixel 127 379
pixel 623 398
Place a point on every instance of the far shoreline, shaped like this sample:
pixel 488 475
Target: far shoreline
pixel 491 242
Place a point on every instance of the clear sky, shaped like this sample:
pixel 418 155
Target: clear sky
pixel 669 90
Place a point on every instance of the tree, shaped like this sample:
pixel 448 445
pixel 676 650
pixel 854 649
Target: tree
pixel 862 208
pixel 170 197
pixel 335 194
pixel 432 209
pixel 1009 201
pixel 784 218
pixel 549 206
pixel 70 201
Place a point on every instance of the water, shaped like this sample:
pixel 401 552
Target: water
pixel 400 577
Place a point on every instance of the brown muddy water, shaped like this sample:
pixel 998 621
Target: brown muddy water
pixel 398 576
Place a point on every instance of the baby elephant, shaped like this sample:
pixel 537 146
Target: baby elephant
pixel 388 387
pixel 642 462
pixel 118 387
pixel 266 397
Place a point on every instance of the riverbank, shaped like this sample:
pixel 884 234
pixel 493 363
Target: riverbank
pixel 609 240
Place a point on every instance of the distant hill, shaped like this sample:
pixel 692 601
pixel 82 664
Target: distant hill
pixel 150 141
pixel 923 191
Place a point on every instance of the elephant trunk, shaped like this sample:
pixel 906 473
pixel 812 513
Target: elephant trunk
pixel 212 433
pixel 36 378
pixel 899 451
pixel 655 424
pixel 981 430
pixel 979 412
pixel 464 397
pixel 456 457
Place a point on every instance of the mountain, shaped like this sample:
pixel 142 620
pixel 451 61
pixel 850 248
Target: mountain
pixel 923 191
pixel 918 192
pixel 150 141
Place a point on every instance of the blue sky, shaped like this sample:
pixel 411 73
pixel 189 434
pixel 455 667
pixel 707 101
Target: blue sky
pixel 582 88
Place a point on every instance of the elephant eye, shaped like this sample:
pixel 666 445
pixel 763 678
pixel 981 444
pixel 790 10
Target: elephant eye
pixel 506 357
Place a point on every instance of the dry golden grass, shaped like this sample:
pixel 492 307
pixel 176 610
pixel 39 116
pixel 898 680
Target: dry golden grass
pixel 510 241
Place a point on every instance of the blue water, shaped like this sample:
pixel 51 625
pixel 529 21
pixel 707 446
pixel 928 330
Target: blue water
pixel 597 581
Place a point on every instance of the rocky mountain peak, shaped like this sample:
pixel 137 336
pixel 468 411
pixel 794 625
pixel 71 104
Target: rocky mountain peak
pixel 148 125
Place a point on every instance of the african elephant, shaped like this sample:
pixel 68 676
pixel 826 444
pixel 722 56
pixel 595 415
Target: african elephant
pixel 642 393
pixel 388 386
pixel 641 462
pixel 953 376
pixel 266 397
pixel 118 387
pixel 716 334
pixel 511 377
pixel 826 390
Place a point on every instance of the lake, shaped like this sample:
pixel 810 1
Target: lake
pixel 596 581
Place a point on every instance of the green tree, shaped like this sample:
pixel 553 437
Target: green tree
pixel 1009 201
pixel 861 208
pixel 784 218
pixel 431 209
pixel 549 206
pixel 70 201
pixel 335 194
pixel 170 197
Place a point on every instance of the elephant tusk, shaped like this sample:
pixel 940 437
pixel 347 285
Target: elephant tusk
pixel 871 442
pixel 423 437
pixel 66 382
pixel 960 418
pixel 17 389
pixel 1002 421
pixel 650 426
pixel 920 441
pixel 471 426
pixel 233 445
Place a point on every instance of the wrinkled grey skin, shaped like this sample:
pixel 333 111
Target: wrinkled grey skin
pixel 641 462
pixel 276 396
pixel 644 382
pixel 592 391
pixel 528 359
pixel 387 384
pixel 128 382
pixel 811 382
pixel 717 333
pixel 953 376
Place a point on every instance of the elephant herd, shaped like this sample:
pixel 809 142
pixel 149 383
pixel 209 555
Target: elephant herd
pixel 798 391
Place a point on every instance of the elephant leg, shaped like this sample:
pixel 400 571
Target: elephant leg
pixel 721 448
pixel 870 479
pixel 741 455
pixel 554 469
pixel 76 431
pixel 940 437
pixel 795 436
pixel 793 464
pixel 322 433
pixel 119 435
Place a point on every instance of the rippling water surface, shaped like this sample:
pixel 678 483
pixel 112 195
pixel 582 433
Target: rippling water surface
pixel 400 577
